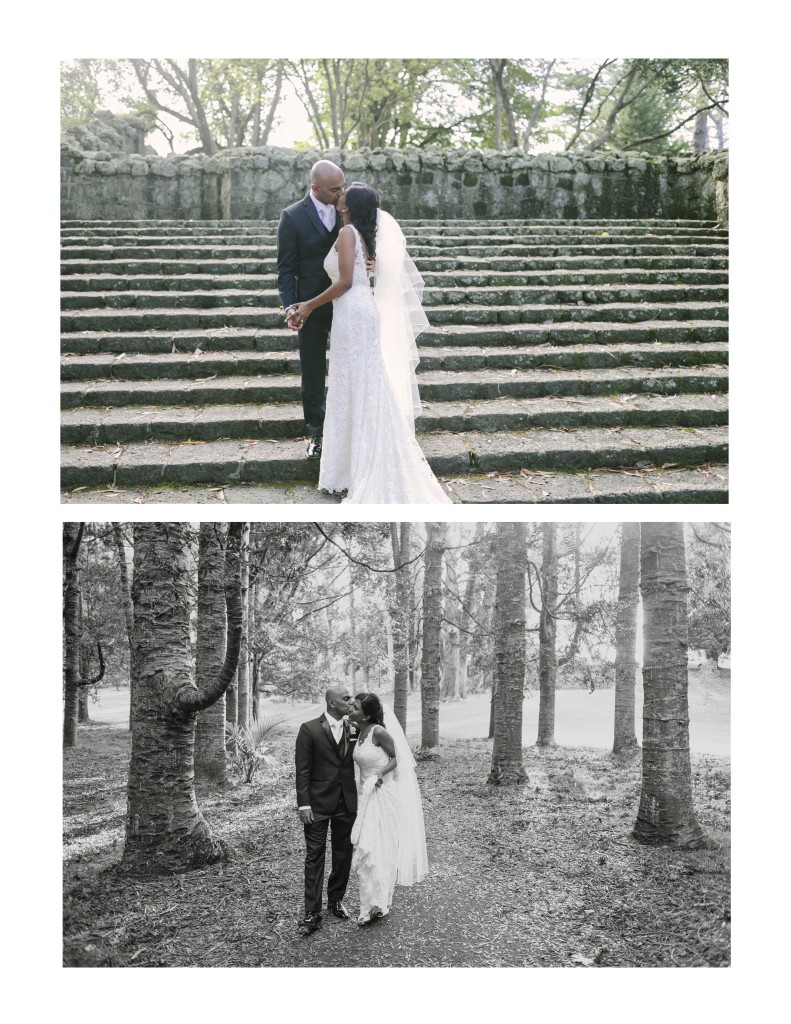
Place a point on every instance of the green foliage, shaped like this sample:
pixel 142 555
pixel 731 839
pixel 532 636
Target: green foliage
pixel 249 749
pixel 80 94
pixel 709 578
pixel 376 102
pixel 645 104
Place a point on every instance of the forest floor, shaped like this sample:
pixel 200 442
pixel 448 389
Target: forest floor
pixel 546 875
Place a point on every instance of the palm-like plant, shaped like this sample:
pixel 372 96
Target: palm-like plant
pixel 248 748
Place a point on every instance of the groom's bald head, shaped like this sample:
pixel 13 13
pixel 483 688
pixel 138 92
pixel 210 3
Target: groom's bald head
pixel 327 181
pixel 339 701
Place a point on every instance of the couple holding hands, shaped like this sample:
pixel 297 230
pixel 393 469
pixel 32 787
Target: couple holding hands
pixel 344 274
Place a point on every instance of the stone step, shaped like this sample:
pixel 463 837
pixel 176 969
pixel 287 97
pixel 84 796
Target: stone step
pixel 164 318
pixel 248 339
pixel 419 243
pixel 144 366
pixel 450 455
pixel 221 298
pixel 435 386
pixel 632 278
pixel 128 424
pixel 267 231
pixel 418 252
pixel 704 484
pixel 70 225
pixel 431 264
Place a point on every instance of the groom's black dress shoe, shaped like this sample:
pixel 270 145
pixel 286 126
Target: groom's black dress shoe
pixel 310 922
pixel 314 448
pixel 339 910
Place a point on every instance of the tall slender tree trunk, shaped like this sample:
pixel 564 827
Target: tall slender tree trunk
pixel 547 632
pixel 72 538
pixel 432 632
pixel 625 737
pixel 700 134
pixel 469 614
pixel 129 616
pixel 232 703
pixel 244 673
pixel 413 633
pixel 83 714
pixel 400 619
pixel 451 666
pixel 352 633
pixel 509 656
pixel 210 651
pixel 666 814
pixel 165 829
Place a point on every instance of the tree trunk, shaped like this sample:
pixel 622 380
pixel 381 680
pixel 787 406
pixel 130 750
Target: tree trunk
pixel 165 830
pixel 232 704
pixel 129 616
pixel 666 815
pixel 432 631
pixel 352 668
pixel 83 714
pixel 244 674
pixel 547 630
pixel 72 538
pixel 625 738
pixel 451 666
pixel 700 135
pixel 509 656
pixel 210 651
pixel 400 620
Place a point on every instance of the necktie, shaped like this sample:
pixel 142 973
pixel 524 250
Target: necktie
pixel 327 218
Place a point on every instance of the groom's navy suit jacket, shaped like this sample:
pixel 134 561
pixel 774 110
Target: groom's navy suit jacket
pixel 302 245
pixel 323 773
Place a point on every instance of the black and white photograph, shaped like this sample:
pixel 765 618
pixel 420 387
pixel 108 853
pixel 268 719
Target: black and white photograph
pixel 397 744
pixel 394 281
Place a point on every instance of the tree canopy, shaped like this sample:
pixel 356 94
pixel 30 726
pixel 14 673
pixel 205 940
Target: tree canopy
pixel 649 104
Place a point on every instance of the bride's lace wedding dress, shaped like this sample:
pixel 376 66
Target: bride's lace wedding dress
pixel 376 833
pixel 369 443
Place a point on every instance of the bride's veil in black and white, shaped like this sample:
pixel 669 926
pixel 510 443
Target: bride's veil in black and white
pixel 412 855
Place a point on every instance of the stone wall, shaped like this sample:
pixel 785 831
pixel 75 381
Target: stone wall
pixel 251 184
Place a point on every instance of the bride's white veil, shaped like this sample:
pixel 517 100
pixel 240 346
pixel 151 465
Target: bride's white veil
pixel 398 290
pixel 412 855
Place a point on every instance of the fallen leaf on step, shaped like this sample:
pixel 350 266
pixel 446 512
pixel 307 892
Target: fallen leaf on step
pixel 578 958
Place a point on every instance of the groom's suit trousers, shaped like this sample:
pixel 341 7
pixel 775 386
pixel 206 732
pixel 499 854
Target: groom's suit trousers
pixel 340 825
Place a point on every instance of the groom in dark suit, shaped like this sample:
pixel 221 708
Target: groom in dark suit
pixel 305 234
pixel 327 796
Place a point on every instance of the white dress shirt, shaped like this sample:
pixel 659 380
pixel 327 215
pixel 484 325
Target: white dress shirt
pixel 326 211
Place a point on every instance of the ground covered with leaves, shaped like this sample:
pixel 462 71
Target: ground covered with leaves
pixel 546 875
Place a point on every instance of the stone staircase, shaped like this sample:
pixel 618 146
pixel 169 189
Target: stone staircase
pixel 567 361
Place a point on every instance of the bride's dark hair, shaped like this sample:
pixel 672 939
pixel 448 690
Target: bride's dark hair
pixel 372 707
pixel 362 202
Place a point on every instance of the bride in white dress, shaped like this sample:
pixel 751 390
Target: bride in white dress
pixel 389 836
pixel 369 447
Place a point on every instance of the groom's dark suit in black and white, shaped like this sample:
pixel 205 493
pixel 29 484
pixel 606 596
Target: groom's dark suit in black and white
pixel 302 245
pixel 325 783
